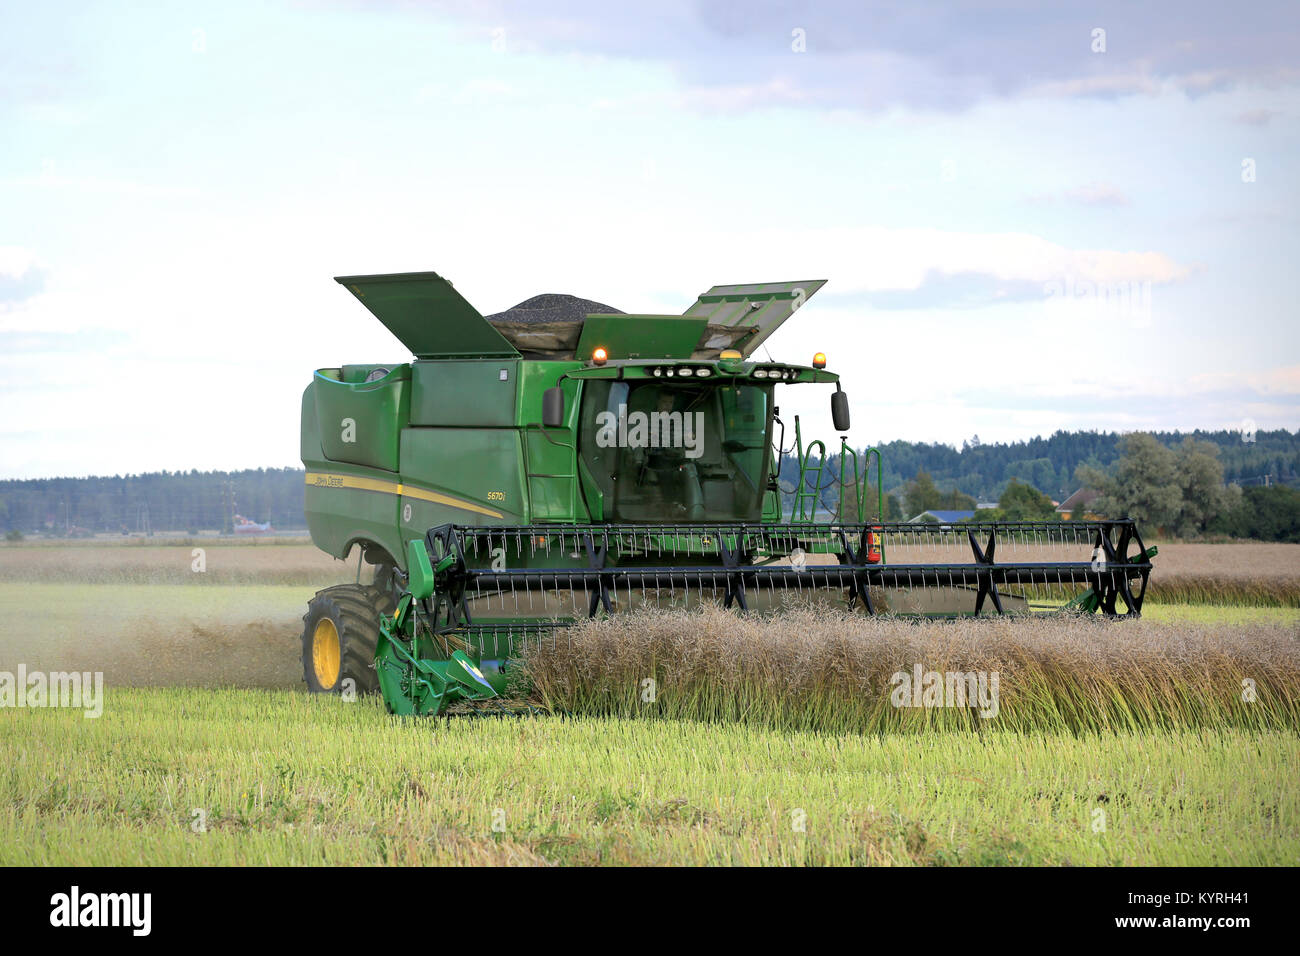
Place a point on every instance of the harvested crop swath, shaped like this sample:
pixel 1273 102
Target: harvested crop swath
pixel 838 672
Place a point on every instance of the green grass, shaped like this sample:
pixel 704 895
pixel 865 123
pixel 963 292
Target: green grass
pixel 1217 614
pixel 285 778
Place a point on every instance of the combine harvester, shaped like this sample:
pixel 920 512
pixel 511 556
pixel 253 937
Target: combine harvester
pixel 563 460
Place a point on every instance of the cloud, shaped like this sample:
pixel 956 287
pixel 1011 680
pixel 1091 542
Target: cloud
pixel 29 343
pixel 1092 194
pixel 899 268
pixel 1097 194
pixel 1280 383
pixel 905 258
pixel 20 277
pixel 479 92
pixel 100 185
pixel 1260 117
pixel 930 54
pixel 884 267
pixel 960 290
pixel 1270 396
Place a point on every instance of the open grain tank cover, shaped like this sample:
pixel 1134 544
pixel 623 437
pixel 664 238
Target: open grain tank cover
pixel 754 310
pixel 430 317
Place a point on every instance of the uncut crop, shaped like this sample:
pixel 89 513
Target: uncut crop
pixel 1254 574
pixel 831 671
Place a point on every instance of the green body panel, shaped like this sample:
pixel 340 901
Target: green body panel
pixel 420 575
pixel 359 423
pixel 360 374
pixel 479 471
pixel 427 315
pixel 552 477
pixel 474 393
pixel 554 489
pixel 340 517
pixel 641 336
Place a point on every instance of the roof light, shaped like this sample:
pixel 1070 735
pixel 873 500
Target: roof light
pixel 760 373
pixel 686 371
pixel 658 372
pixel 599 356
pixel 731 355
pixel 703 372
pixel 819 360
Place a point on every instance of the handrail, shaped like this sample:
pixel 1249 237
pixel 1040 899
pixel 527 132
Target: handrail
pixel 802 494
pixel 845 452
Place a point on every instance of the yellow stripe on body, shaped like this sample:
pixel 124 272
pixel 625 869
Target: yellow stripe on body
pixel 320 479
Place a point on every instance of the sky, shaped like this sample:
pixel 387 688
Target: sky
pixel 1031 217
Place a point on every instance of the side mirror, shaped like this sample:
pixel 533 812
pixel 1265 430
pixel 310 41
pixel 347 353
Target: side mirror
pixel 840 410
pixel 553 407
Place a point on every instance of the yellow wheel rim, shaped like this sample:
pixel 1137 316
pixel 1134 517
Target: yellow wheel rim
pixel 325 653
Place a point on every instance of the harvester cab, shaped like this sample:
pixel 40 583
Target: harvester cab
pixel 563 459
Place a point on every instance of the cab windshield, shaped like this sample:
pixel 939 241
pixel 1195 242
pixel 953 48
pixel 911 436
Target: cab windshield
pixel 673 452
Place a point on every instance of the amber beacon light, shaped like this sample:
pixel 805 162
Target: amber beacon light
pixel 819 360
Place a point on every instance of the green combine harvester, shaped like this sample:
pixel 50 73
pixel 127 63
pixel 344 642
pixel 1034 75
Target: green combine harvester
pixel 563 460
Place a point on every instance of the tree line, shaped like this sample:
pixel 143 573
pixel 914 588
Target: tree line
pixel 190 501
pixel 1188 487
pixel 983 470
pixel 1186 484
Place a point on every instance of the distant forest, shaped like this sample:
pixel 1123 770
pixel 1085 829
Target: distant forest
pixel 158 501
pixel 1048 464
pixel 208 501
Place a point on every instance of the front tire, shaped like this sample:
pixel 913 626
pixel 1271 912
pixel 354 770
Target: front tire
pixel 340 630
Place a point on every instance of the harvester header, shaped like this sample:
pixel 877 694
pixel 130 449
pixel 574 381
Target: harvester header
pixel 563 459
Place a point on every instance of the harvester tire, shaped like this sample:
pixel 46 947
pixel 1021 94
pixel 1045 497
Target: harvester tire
pixel 340 630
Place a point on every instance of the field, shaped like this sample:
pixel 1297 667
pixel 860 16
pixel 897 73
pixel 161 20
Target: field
pixel 283 778
pixel 1122 743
